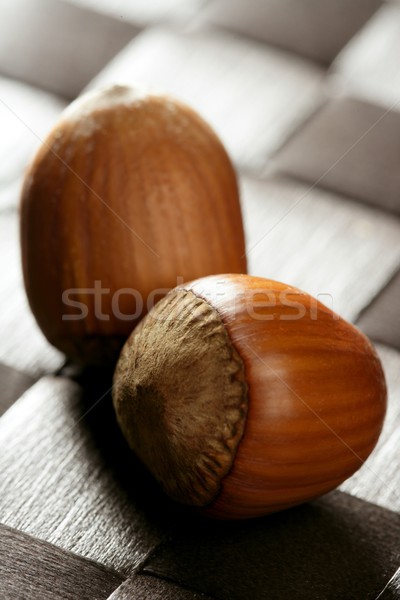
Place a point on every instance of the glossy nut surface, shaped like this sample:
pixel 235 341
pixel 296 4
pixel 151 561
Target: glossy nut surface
pixel 307 400
pixel 129 195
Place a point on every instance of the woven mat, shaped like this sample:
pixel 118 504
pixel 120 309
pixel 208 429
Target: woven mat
pixel 305 95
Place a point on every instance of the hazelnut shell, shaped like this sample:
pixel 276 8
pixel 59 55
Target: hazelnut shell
pixel 131 193
pixel 245 396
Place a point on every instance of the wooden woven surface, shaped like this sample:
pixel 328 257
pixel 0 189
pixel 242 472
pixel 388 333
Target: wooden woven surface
pixel 306 97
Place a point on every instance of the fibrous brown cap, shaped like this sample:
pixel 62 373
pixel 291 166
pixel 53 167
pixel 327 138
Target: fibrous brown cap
pixel 181 398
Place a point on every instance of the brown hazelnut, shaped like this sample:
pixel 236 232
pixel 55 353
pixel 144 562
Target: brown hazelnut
pixel 244 396
pixel 130 194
